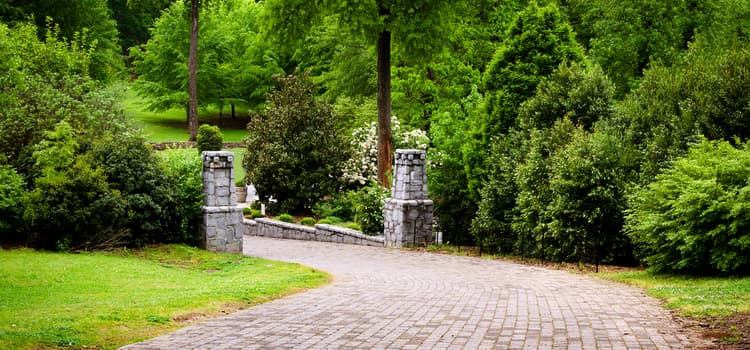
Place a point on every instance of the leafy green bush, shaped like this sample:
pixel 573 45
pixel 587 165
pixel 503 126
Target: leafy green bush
pixel 295 149
pixel 209 138
pixel 588 178
pixel 492 226
pixel 447 181
pixel 285 218
pixel 368 203
pixel 353 226
pixel 255 205
pixel 307 221
pixel 112 191
pixel 44 82
pixel 673 106
pixel 183 168
pixel 12 202
pixel 338 206
pixel 331 220
pixel 695 217
pixel 159 205
pixel 253 213
pixel 72 205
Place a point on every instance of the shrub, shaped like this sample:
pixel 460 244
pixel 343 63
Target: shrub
pixel 588 179
pixel 183 168
pixel 362 166
pixel 353 226
pixel 12 202
pixel 695 217
pixel 209 138
pixel 44 82
pixel 307 221
pixel 255 205
pixel 285 218
pixel 338 206
pixel 368 203
pixel 156 203
pixel 294 149
pixel 331 220
pixel 252 213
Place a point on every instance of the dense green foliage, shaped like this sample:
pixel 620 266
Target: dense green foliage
pixel 295 149
pixel 539 117
pixel 674 105
pixel 209 138
pixel 89 181
pixel 234 65
pixel 183 167
pixel 12 202
pixel 556 189
pixel 88 21
pixel 695 216
pixel 536 42
pixel 368 203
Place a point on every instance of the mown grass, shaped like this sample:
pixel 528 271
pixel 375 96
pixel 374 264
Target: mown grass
pixel 693 296
pixel 171 125
pixel 107 300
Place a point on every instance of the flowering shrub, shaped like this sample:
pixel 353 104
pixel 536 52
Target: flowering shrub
pixel 363 164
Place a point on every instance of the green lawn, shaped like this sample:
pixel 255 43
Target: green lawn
pixel 693 296
pixel 106 300
pixel 171 125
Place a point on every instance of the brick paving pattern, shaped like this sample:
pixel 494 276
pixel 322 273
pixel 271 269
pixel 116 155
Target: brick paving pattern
pixel 393 299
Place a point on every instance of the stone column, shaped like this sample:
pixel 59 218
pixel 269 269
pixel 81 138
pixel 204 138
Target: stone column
pixel 408 213
pixel 221 229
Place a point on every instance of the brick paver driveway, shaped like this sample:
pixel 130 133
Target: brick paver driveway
pixel 386 298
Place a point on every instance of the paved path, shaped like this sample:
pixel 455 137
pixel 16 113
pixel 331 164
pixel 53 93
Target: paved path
pixel 392 299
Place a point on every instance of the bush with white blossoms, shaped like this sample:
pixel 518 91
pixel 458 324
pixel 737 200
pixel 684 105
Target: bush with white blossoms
pixel 363 164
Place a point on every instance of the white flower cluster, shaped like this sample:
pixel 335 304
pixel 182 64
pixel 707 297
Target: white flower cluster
pixel 362 167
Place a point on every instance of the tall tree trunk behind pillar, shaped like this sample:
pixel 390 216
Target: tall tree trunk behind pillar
pixel 193 72
pixel 385 141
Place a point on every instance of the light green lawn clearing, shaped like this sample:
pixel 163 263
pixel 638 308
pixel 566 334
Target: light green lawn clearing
pixel 693 296
pixel 107 300
pixel 171 125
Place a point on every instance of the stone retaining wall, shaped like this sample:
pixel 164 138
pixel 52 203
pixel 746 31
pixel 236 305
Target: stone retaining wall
pixel 323 233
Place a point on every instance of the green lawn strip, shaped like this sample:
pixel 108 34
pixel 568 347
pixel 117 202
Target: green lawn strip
pixel 107 300
pixel 171 125
pixel 239 154
pixel 693 296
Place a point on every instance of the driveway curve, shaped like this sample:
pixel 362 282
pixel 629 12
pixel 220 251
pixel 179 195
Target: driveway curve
pixel 394 299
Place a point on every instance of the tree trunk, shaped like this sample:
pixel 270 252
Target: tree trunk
pixel 193 72
pixel 385 141
pixel 232 110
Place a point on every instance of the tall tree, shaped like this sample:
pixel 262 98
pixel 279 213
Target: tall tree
pixel 536 42
pixel 193 72
pixel 418 27
pixel 235 64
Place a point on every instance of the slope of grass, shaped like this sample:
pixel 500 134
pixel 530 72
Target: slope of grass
pixel 106 300
pixel 693 296
pixel 171 125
